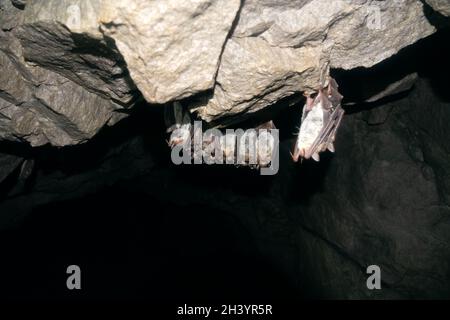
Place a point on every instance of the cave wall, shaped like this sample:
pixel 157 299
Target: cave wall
pixel 383 201
pixel 382 198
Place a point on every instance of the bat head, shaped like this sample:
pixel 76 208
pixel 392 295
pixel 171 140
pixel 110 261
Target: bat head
pixel 180 135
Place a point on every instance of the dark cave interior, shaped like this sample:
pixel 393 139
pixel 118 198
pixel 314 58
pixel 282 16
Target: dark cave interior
pixel 140 227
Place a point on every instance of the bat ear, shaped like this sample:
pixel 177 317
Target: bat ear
pixel 316 157
pixel 171 128
pixel 331 147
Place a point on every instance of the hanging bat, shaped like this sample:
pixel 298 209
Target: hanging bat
pixel 321 118
pixel 263 148
pixel 178 123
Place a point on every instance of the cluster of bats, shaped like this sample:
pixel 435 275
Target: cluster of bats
pixel 321 117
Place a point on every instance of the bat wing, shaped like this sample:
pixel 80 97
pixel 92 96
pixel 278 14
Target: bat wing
pixel 327 135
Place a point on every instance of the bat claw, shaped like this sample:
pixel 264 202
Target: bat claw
pixel 316 157
pixel 293 157
pixel 331 147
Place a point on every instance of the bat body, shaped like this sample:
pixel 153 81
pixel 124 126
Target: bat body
pixel 321 118
pixel 264 146
pixel 179 124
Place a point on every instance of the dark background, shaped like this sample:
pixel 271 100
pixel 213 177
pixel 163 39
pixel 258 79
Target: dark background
pixel 141 228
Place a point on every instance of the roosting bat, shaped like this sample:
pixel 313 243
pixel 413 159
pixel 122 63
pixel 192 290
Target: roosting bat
pixel 178 123
pixel 224 145
pixel 321 118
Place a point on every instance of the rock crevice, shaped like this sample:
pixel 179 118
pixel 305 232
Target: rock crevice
pixel 234 57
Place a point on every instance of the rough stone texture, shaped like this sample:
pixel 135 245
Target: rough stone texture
pixel 397 87
pixel 384 201
pixel 40 106
pixel 19 3
pixel 282 47
pixel 260 75
pixel 89 61
pixel 252 54
pixel 10 16
pixel 79 16
pixel 59 178
pixel 393 88
pixel 8 163
pixel 172 47
pixel 375 31
pixel 383 198
pixel 59 86
pixel 442 6
pixel 168 49
pixel 64 37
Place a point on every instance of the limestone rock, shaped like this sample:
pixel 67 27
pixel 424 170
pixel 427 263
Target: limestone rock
pixel 71 71
pixel 385 202
pixel 86 60
pixel 241 56
pixel 10 16
pixel 283 47
pixel 63 80
pixel 397 87
pixel 260 82
pixel 19 3
pixel 40 106
pixel 172 47
pixel 442 6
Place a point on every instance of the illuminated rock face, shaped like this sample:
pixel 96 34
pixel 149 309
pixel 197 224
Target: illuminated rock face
pixel 281 47
pixel 442 6
pixel 382 199
pixel 41 106
pixel 58 86
pixel 236 57
pixel 172 47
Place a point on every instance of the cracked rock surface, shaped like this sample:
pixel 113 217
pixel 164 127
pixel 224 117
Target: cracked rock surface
pixel 382 199
pixel 234 57
pixel 442 6
pixel 282 47
pixel 81 85
pixel 41 107
pixel 403 230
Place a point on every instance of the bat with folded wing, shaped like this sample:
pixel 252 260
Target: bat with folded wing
pixel 322 115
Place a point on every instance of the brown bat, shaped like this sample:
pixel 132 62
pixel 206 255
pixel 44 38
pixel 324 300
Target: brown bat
pixel 264 144
pixel 179 125
pixel 321 118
